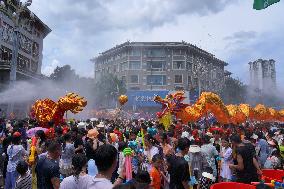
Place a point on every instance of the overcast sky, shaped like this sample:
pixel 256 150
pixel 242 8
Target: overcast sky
pixel 230 29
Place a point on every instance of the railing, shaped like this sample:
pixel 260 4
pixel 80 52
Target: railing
pixel 6 64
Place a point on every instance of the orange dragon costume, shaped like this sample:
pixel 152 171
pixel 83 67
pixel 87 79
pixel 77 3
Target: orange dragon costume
pixel 210 102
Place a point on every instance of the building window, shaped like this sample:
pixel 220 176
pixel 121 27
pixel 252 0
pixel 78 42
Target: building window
pixel 188 66
pixel 156 66
pixel 6 54
pixel 123 66
pixel 123 79
pixel 134 65
pixel 194 67
pixel 134 88
pixel 135 52
pixel 195 82
pixel 179 52
pixel 178 78
pixel 213 74
pixel 156 80
pixel 134 79
pixel 179 88
pixel 189 82
pixel 178 65
pixel 34 66
pixel 156 53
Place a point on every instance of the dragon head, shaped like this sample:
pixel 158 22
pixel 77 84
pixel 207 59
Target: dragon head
pixel 72 102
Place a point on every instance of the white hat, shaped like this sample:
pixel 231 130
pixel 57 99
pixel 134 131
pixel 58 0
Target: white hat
pixel 101 125
pixel 254 136
pixel 185 134
pixel 194 148
pixel 208 175
pixel 94 119
pixel 141 119
pixel 82 125
pixel 209 134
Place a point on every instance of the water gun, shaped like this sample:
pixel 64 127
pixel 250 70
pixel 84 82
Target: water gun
pixel 133 145
pixel 33 151
pixel 142 137
pixel 152 131
pixel 128 163
pixel 273 184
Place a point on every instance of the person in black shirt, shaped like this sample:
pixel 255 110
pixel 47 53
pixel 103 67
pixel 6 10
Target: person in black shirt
pixel 47 168
pixel 247 167
pixel 6 142
pixel 78 142
pixel 178 167
pixel 179 172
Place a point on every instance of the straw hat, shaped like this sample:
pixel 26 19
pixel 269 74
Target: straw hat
pixel 113 137
pixel 93 133
pixel 194 148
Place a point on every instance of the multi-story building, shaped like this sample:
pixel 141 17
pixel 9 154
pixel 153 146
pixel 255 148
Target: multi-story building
pixel 30 31
pixel 263 76
pixel 162 66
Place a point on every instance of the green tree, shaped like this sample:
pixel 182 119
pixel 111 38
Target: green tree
pixel 66 80
pixel 64 73
pixel 107 90
pixel 234 91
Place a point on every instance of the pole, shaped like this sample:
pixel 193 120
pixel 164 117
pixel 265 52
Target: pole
pixel 13 67
pixel 151 76
pixel 199 85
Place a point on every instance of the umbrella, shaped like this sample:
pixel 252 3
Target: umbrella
pixel 31 132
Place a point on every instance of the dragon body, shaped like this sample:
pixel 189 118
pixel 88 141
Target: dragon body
pixel 210 102
pixel 46 110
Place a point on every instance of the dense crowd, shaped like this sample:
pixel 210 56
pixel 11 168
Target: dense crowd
pixel 90 155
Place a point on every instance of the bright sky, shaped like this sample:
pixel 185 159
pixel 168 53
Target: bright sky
pixel 230 29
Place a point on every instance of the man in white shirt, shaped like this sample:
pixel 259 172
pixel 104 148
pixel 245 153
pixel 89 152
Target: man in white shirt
pixel 106 161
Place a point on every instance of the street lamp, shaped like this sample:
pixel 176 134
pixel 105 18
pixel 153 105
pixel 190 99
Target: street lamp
pixel 16 17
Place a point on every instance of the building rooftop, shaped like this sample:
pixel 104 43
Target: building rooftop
pixel 158 44
pixel 227 73
pixel 27 13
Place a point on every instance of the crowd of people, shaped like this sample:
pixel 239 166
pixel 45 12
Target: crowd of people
pixel 91 155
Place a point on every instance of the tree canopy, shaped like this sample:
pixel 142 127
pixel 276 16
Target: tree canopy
pixel 234 91
pixel 108 88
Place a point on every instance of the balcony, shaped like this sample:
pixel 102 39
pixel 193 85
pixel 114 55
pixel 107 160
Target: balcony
pixel 5 65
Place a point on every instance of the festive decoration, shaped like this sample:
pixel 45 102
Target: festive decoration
pixel 128 165
pixel 47 110
pixel 166 120
pixel 32 151
pixel 122 99
pixel 141 135
pixel 113 137
pixel 211 103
